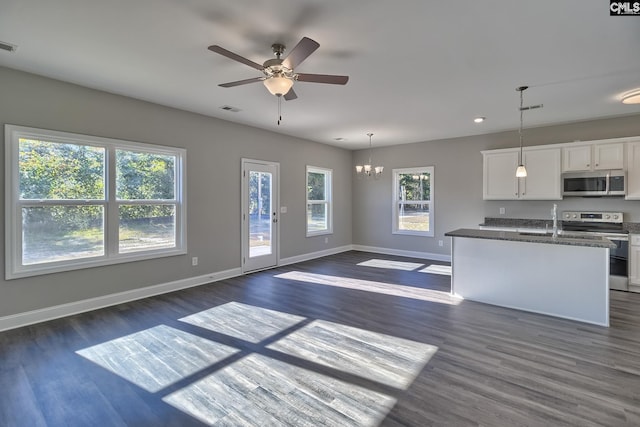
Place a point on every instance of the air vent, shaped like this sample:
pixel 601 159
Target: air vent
pixel 8 47
pixel 230 108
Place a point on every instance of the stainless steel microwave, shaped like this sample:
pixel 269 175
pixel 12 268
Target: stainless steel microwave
pixel 594 184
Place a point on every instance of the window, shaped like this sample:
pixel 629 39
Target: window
pixel 76 201
pixel 319 210
pixel 413 201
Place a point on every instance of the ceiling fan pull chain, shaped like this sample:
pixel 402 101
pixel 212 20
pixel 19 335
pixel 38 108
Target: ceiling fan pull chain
pixel 279 109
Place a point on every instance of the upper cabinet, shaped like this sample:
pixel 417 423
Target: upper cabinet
pixel 593 157
pixel 546 163
pixel 542 181
pixel 499 180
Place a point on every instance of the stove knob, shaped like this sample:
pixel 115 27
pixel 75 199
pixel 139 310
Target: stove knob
pixel 615 217
pixel 607 216
pixel 567 216
pixel 575 216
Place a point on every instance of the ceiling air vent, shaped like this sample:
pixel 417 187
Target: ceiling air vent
pixel 229 108
pixel 8 47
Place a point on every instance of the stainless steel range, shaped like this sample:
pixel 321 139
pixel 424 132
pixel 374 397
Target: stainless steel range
pixel 609 225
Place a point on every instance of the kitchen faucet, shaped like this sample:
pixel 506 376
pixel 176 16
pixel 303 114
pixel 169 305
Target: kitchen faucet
pixel 554 215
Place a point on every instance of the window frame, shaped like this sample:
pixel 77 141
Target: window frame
pixel 396 200
pixel 13 204
pixel 328 200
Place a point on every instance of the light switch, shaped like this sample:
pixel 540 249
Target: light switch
pixel 283 209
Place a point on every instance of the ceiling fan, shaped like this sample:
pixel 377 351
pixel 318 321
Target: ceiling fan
pixel 279 74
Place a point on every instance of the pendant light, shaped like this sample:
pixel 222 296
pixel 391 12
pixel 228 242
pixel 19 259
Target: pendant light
pixel 367 169
pixel 521 171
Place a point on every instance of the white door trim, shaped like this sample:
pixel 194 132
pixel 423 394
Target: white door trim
pixel 244 256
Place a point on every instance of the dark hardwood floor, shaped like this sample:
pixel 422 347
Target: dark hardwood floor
pixel 324 342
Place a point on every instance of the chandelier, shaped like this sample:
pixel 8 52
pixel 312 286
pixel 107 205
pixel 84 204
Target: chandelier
pixel 367 169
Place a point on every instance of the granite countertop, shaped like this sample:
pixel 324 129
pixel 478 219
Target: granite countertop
pixel 514 236
pixel 629 227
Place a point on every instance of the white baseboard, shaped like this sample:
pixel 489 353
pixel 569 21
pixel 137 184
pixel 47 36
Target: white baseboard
pixel 76 307
pixel 314 255
pixel 400 252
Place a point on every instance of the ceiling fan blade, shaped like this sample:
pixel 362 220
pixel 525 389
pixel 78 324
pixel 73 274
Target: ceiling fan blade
pixel 303 49
pixel 290 96
pixel 242 82
pixel 224 52
pixel 323 78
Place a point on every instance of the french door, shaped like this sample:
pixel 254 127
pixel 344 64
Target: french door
pixel 259 214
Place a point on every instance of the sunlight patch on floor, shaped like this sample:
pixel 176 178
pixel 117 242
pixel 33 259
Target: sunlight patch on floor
pixel 444 270
pixel 261 391
pixel 157 357
pixel 392 265
pixel 377 357
pixel 371 286
pixel 257 390
pixel 243 321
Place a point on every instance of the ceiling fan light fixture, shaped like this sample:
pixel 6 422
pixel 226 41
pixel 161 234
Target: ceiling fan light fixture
pixel 632 97
pixel 278 85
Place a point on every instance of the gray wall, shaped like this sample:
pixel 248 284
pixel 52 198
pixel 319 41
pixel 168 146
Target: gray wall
pixel 214 151
pixel 458 183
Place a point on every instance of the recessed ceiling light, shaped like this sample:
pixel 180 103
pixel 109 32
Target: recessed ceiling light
pixel 479 119
pixel 632 97
pixel 338 139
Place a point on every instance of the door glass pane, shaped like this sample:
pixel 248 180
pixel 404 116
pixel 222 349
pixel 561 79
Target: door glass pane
pixel 413 217
pixel 146 227
pixel 260 231
pixel 59 233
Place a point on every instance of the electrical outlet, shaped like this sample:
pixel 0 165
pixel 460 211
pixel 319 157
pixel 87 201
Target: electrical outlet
pixel 502 211
pixel 326 240
pixel 440 243
pixel 194 261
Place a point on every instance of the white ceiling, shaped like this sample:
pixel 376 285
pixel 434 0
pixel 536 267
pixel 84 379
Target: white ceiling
pixel 419 70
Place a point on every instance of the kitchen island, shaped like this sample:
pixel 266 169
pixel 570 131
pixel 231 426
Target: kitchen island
pixel 564 276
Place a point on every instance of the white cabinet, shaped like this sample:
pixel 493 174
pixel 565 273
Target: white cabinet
pixel 499 175
pixel 634 262
pixel 633 171
pixel 543 175
pixel 542 181
pixel 593 157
